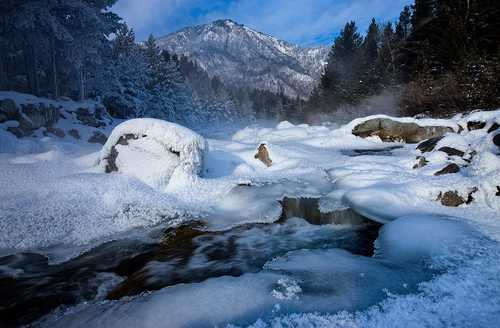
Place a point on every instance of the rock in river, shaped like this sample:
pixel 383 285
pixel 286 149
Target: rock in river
pixel 389 130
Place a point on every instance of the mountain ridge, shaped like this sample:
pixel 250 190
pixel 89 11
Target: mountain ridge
pixel 243 57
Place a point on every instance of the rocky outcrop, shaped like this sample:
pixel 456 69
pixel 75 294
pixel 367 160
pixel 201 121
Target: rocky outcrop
pixel 475 125
pixel 496 140
pixel 451 151
pixel 429 144
pixel 421 162
pixel 8 110
pixel 98 138
pixel 55 131
pixel 448 169
pixel 495 126
pixel 29 117
pixel 74 133
pixel 87 118
pixel 389 130
pixel 451 199
pixel 263 155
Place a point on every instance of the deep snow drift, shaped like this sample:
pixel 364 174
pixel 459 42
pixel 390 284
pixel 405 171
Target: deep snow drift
pixel 441 228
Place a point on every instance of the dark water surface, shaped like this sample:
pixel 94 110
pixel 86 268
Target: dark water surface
pixel 31 288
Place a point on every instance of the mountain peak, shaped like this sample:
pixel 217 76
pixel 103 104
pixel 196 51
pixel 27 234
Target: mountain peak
pixel 242 57
pixel 226 22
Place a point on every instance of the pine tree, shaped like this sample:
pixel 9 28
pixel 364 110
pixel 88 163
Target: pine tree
pixel 404 25
pixel 56 45
pixel 339 81
pixel 369 82
pixel 386 65
pixel 423 12
pixel 124 42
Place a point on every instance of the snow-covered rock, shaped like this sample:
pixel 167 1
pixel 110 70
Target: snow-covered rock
pixel 26 115
pixel 263 154
pixel 153 151
pixel 389 129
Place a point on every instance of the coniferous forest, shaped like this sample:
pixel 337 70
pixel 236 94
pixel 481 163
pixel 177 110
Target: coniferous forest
pixel 440 57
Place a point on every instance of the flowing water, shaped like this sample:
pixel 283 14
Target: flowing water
pixel 30 287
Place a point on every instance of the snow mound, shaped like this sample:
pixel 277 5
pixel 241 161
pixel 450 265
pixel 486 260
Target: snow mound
pixel 153 151
pixel 419 237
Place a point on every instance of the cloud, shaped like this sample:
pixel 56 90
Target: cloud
pixel 304 22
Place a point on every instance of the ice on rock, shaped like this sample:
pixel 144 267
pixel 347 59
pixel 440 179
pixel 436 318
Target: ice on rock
pixel 153 151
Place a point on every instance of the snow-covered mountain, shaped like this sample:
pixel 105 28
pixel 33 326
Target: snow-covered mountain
pixel 241 56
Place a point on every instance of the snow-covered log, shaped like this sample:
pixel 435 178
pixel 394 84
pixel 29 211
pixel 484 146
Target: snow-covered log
pixel 153 151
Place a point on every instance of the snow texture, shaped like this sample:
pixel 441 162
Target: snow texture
pixel 434 266
pixel 163 150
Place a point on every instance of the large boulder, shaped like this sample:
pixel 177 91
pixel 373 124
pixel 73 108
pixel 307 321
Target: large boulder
pixel 391 130
pixel 153 151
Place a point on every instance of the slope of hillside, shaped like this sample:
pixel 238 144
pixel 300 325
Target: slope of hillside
pixel 244 57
